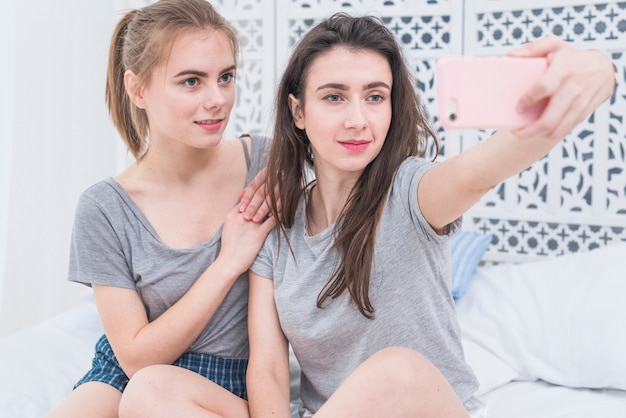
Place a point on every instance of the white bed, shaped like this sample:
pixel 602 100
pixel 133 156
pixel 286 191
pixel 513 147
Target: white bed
pixel 547 339
pixel 560 320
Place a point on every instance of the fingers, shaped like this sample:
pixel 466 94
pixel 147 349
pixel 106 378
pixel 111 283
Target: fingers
pixel 578 113
pixel 574 85
pixel 242 239
pixel 252 202
pixel 612 75
pixel 540 48
pixel 268 224
pixel 251 190
pixel 552 79
pixel 557 73
pixel 258 207
pixel 559 120
pixel 543 89
pixel 564 110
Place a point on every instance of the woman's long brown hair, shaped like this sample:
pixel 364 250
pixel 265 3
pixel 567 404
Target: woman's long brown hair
pixel 290 156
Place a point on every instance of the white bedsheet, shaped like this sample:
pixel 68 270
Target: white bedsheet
pixel 39 366
pixel 542 400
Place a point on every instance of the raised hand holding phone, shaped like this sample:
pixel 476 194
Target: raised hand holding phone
pixel 576 82
pixel 484 92
pixel 571 86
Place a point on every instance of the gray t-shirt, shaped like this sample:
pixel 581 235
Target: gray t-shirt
pixel 114 244
pixel 409 289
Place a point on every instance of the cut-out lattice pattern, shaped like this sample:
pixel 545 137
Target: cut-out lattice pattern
pixel 573 175
pixel 125 5
pixel 424 72
pixel 421 32
pixel 247 115
pixel 616 171
pixel 414 33
pixel 250 33
pixel 227 6
pixel 298 27
pixel 581 181
pixel 527 239
pixel 532 186
pixel 315 6
pixel 580 23
pixel 577 168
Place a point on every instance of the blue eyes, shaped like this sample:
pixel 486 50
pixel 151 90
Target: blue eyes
pixel 223 79
pixel 226 78
pixel 337 98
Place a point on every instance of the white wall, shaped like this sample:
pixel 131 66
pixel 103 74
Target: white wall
pixel 7 31
pixel 56 141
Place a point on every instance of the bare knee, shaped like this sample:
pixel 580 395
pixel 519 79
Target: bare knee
pixel 394 379
pixel 144 387
pixel 166 391
pixel 399 368
pixel 94 399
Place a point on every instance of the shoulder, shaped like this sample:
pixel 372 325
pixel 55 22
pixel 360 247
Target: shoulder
pixel 259 150
pixel 412 169
pixel 256 145
pixel 259 144
pixel 103 197
pixel 97 192
pixel 406 181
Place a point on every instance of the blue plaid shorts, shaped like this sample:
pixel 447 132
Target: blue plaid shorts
pixel 226 372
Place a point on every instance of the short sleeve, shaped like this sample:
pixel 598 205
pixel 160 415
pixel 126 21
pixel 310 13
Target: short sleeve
pixel 265 260
pixel 97 254
pixel 405 188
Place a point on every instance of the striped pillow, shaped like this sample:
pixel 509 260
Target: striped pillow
pixel 467 250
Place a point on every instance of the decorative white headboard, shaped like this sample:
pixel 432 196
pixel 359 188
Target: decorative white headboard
pixel 571 201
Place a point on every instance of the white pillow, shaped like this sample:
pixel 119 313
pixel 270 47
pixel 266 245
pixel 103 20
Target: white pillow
pixel 39 365
pixel 562 320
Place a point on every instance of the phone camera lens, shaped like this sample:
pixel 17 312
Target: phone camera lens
pixel 452 117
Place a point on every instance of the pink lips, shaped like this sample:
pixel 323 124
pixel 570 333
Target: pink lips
pixel 355 145
pixel 210 126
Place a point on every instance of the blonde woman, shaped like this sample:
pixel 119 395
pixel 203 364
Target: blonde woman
pixel 167 243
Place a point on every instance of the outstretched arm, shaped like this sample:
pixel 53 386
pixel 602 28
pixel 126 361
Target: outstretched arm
pixel 575 84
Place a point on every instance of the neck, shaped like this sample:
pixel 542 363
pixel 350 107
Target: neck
pixel 176 164
pixel 326 201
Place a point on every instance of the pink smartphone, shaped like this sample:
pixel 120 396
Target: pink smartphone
pixel 483 92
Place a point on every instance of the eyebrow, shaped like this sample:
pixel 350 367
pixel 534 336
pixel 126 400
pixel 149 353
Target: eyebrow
pixel 340 86
pixel 202 73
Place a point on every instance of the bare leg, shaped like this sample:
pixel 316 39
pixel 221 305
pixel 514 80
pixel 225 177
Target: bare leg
pixel 171 391
pixel 91 399
pixel 396 382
